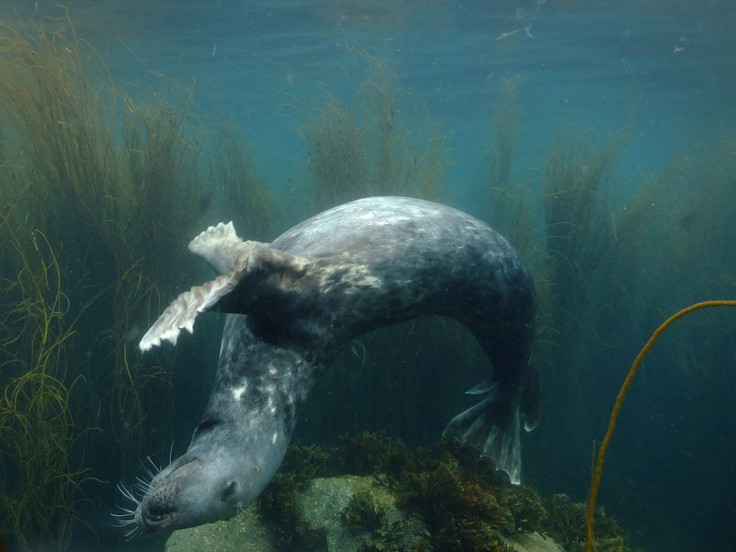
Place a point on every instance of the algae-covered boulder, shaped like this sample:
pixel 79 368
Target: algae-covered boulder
pixel 532 542
pixel 224 536
pixel 351 513
pixel 446 498
pixel 359 513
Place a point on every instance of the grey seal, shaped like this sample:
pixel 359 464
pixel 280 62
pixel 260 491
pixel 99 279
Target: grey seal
pixel 297 301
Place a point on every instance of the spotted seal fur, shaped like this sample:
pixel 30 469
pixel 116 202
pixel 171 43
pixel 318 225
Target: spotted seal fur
pixel 296 302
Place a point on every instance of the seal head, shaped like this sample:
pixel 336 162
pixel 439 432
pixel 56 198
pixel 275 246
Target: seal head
pixel 239 443
pixel 216 477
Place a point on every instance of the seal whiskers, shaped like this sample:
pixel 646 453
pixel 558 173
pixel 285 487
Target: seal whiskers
pixel 126 517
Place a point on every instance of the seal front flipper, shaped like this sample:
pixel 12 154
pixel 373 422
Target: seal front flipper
pixel 242 264
pixel 182 312
pixel 221 247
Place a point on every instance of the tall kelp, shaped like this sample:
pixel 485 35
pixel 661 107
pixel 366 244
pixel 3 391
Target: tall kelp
pixel 243 197
pixel 674 239
pixel 365 146
pixel 160 175
pixel 600 457
pixel 96 192
pixel 510 210
pixel 615 263
pixel 579 220
pixel 42 468
pixel 42 455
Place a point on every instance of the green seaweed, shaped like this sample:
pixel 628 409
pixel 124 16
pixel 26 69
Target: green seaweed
pixel 42 457
pixel 458 505
pixel 245 200
pixel 97 188
pixel 277 504
pixel 369 522
pixel 365 146
pixel 364 512
pixel 369 453
pixel 278 509
pixel 510 206
pixel 566 524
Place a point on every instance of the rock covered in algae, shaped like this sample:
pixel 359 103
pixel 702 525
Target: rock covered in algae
pixel 532 542
pixel 326 507
pixel 353 513
pixel 224 536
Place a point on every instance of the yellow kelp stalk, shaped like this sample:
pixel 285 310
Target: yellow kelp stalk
pixel 595 484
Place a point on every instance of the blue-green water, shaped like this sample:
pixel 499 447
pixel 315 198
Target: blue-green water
pixel 664 70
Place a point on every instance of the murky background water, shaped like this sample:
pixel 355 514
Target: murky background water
pixel 598 136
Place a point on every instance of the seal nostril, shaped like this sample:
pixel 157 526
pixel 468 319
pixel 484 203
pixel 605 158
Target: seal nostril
pixel 158 511
pixel 152 518
pixel 228 491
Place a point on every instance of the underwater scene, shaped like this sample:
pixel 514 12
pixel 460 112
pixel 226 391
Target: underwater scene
pixel 598 137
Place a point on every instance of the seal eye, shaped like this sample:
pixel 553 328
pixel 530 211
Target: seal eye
pixel 228 491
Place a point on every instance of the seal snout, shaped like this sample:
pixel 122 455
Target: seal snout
pixel 189 492
pixel 157 507
pixel 153 512
pixel 153 515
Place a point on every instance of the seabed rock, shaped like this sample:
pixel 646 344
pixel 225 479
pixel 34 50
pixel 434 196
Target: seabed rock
pixel 224 536
pixel 329 506
pixel 533 542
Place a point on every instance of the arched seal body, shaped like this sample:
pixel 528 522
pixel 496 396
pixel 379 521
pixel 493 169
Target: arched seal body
pixel 297 301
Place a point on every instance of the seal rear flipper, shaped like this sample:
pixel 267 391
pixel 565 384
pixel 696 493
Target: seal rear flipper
pixel 531 399
pixel 493 426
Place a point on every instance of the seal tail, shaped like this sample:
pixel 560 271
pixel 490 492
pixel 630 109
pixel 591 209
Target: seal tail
pixel 494 424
